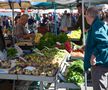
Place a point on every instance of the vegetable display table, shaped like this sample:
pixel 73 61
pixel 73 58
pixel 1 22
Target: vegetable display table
pixel 49 79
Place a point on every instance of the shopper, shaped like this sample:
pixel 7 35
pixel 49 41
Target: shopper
pixel 96 50
pixel 65 21
pixel 17 17
pixel 2 40
pixel 79 24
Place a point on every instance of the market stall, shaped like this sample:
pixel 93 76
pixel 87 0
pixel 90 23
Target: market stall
pixel 40 65
pixel 34 67
pixel 46 68
pixel 84 41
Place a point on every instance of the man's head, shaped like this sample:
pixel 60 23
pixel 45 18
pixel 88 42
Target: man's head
pixel 65 12
pixel 19 14
pixel 91 14
pixel 79 7
pixel 24 19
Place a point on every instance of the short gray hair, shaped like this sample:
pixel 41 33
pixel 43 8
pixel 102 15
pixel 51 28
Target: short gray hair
pixel 93 12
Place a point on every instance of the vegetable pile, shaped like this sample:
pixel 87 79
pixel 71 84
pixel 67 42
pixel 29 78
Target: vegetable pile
pixel 49 40
pixel 76 34
pixel 45 62
pixel 11 52
pixel 75 73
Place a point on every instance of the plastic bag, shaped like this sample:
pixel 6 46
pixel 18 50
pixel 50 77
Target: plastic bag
pixel 19 50
pixel 3 55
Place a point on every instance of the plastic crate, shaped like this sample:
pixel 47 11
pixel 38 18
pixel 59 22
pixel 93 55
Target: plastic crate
pixel 42 29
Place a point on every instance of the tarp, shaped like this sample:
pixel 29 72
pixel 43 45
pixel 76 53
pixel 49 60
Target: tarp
pixel 47 5
pixel 41 4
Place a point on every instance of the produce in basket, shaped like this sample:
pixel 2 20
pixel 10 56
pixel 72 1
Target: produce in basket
pixel 5 64
pixel 37 37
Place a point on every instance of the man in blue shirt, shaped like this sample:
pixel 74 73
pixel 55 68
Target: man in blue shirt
pixel 96 51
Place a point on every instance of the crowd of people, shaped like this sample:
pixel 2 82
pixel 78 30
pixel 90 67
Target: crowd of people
pixel 45 21
pixel 64 22
pixel 6 22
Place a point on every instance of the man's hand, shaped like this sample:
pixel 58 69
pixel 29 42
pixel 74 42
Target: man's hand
pixel 93 60
pixel 85 30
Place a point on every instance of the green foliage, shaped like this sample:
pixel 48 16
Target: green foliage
pixel 49 40
pixel 62 37
pixel 11 52
pixel 75 72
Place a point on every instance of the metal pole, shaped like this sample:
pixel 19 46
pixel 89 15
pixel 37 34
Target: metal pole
pixel 107 83
pixel 12 17
pixel 83 22
pixel 55 82
pixel 85 80
pixel 55 22
pixel 41 85
pixel 13 85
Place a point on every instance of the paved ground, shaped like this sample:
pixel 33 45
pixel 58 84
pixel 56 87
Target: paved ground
pixel 89 87
pixel 8 85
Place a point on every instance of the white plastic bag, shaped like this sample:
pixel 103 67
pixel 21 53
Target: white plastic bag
pixel 3 55
pixel 19 50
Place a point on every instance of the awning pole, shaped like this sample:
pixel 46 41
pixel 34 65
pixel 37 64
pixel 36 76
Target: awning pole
pixel 83 22
pixel 55 20
pixel 12 18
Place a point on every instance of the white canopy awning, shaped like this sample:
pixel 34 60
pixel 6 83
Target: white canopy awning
pixel 69 1
pixel 95 1
pixel 39 0
pixel 65 1
pixel 57 1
